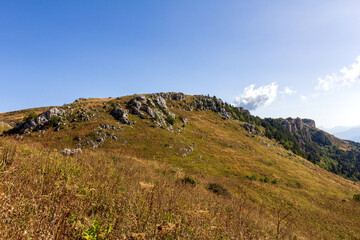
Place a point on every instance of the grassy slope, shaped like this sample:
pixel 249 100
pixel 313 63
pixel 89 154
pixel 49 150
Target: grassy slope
pixel 320 202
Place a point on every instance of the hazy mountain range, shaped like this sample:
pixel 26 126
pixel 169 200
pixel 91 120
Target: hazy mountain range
pixel 347 133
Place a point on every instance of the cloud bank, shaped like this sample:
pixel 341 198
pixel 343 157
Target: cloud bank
pixel 345 77
pixel 253 98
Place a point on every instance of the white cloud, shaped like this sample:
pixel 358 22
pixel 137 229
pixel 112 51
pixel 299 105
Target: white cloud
pixel 345 77
pixel 253 98
pixel 303 98
pixel 289 91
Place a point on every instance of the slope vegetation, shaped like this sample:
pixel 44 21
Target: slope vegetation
pixel 163 166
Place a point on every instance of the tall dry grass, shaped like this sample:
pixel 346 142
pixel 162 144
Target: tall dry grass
pixel 106 196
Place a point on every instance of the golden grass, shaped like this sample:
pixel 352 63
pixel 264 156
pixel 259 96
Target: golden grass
pixel 48 196
pixel 134 190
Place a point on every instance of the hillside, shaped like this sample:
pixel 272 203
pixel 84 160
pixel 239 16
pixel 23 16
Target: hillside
pixel 329 152
pixel 169 166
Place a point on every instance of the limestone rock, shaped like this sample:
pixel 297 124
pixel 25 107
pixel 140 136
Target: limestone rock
pixel 121 115
pixel 159 101
pixel 134 110
pixel 148 110
pixel 172 96
pixel 184 120
pixel 68 152
pixel 293 125
pixel 38 122
pixel 206 103
pixel 309 122
pixel 250 128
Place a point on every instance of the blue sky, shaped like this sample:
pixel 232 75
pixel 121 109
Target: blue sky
pixel 266 55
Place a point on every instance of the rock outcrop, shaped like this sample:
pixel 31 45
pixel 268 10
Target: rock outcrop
pixel 69 152
pixel 171 96
pixel 293 125
pixel 251 128
pixel 297 124
pixel 309 122
pixel 39 122
pixel 155 106
pixel 121 115
pixel 243 110
pixel 206 103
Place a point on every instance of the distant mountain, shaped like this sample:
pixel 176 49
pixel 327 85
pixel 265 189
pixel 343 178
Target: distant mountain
pixel 335 130
pixel 352 134
pixel 347 133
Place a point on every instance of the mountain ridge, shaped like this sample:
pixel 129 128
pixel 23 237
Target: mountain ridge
pixel 197 155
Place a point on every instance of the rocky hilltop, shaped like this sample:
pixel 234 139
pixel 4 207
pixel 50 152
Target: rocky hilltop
pixel 166 111
pixel 155 106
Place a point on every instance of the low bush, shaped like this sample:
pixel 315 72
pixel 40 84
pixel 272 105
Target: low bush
pixel 54 121
pixel 266 180
pixel 188 180
pixel 218 190
pixel 31 116
pixel 170 120
pixel 356 197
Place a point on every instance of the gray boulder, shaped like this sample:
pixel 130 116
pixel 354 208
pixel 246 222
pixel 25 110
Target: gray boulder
pixel 160 102
pixel 121 115
pixel 134 110
pixel 148 110
pixel 250 129
pixel 69 152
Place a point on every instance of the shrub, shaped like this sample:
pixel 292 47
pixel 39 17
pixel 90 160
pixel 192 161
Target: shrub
pixel 218 190
pixel 188 180
pixel 54 121
pixel 30 117
pixel 170 120
pixel 253 178
pixel 95 231
pixel 356 197
pixel 113 104
pixel 275 181
pixel 91 135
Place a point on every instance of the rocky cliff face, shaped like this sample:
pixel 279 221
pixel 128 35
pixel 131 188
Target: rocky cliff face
pixel 293 125
pixel 309 122
pixel 297 124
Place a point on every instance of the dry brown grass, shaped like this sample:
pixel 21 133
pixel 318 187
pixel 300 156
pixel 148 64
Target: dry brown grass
pixel 47 196
pixel 134 190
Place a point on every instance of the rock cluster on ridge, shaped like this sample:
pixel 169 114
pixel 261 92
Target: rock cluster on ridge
pixel 155 107
pixel 39 121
